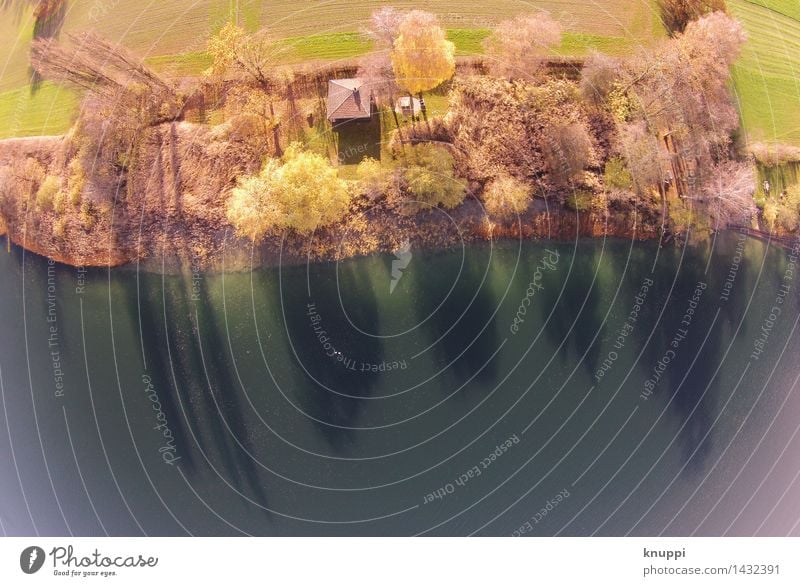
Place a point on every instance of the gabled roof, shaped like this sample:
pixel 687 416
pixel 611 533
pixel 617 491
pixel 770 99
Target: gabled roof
pixel 345 100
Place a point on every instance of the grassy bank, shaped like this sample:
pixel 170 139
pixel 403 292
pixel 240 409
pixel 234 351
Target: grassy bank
pixel 48 110
pixel 767 76
pixel 172 37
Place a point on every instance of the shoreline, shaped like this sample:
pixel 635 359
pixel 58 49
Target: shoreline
pixel 427 231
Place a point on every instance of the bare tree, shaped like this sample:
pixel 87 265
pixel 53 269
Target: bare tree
pixel 645 158
pixel 124 100
pixel 599 76
pixel 515 47
pixel 375 71
pixel 93 63
pixel 728 193
pixel 383 26
pixel 568 150
pixel 683 87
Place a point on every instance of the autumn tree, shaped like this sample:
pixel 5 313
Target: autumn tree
pixel 599 76
pixel 677 14
pixel 516 47
pixel 422 57
pixel 430 177
pixel 254 57
pixel 683 87
pixel 506 196
pixel 568 151
pixel 646 160
pixel 301 193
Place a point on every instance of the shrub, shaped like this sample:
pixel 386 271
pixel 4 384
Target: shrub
pixel 789 210
pixel 47 192
pixel 683 216
pixel 616 174
pixel 87 215
pixel 598 78
pixel 620 103
pixel 772 155
pixel 60 227
pixel 60 202
pixel 430 177
pixel 77 180
pixel 34 174
pixel 568 150
pixel 770 212
pixel 506 196
pixel 374 180
pixel 303 194
pixel 580 200
pixel 498 126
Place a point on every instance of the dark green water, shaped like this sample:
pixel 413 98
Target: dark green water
pixel 498 390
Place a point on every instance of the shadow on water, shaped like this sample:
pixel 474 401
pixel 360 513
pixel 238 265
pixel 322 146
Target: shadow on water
pixel 204 416
pixel 578 311
pixel 232 426
pixel 338 363
pixel 688 371
pixel 148 312
pixel 466 339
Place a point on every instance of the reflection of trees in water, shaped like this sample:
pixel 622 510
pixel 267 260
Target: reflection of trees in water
pixel 333 387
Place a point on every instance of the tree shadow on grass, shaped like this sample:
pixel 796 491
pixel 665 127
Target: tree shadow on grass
pixel 47 25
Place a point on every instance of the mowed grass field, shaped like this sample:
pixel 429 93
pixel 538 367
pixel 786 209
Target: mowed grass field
pixel 767 76
pixel 172 35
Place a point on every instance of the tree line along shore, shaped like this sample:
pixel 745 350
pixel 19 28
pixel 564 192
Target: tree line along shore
pixel 257 162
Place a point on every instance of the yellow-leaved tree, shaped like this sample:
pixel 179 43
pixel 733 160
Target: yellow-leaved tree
pixel 255 58
pixel 506 196
pixel 431 179
pixel 302 193
pixel 422 57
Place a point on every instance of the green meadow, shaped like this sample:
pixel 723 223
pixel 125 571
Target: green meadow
pixel 171 36
pixel 767 76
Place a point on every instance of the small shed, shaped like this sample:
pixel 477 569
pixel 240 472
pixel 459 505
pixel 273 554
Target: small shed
pixel 408 106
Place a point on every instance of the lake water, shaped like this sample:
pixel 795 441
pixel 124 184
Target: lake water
pixel 600 387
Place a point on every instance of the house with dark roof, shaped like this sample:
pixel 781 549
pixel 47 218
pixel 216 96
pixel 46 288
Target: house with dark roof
pixel 347 101
pixel 353 114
